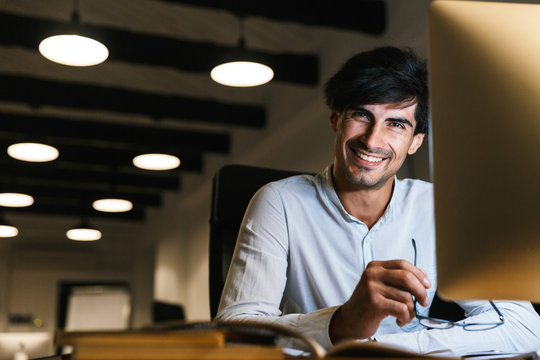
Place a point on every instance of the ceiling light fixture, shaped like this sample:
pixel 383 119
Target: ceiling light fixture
pixel 155 161
pixel 6 229
pixel 83 232
pixel 34 152
pixel 15 200
pixel 112 205
pixel 241 67
pixel 73 49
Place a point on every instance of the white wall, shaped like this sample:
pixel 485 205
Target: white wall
pixel 297 137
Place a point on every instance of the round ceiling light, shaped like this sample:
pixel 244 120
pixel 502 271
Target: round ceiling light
pixel 7 231
pixel 112 205
pixel 15 200
pixel 73 50
pixel 156 161
pixel 83 234
pixel 242 74
pixel 33 152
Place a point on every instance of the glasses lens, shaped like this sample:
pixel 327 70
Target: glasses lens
pixel 479 327
pixel 436 324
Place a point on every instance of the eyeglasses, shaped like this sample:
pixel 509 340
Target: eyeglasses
pixel 435 323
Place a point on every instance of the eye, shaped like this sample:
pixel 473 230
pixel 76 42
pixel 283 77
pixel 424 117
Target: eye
pixel 358 114
pixel 397 124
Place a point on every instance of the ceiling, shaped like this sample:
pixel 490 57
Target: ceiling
pixel 101 117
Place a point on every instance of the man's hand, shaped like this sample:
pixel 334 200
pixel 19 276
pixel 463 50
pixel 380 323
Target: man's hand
pixel 385 288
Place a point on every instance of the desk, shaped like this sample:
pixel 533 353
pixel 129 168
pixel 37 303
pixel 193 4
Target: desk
pixel 211 341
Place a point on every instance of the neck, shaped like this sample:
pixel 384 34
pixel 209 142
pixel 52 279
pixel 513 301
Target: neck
pixel 365 204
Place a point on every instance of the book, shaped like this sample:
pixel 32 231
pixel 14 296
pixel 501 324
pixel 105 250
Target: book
pixel 135 338
pixel 162 345
pixel 354 348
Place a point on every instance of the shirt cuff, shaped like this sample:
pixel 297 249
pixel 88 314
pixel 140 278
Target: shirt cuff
pixel 406 341
pixel 316 325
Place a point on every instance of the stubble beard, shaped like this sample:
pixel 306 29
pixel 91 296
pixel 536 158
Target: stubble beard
pixel 361 178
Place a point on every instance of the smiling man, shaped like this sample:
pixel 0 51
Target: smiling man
pixel 350 252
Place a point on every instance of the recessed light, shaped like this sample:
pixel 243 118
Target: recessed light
pixel 73 50
pixel 7 231
pixel 112 205
pixel 83 234
pixel 156 161
pixel 15 200
pixel 34 152
pixel 242 74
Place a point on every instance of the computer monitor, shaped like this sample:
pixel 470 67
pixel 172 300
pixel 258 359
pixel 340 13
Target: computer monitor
pixel 98 307
pixel 484 66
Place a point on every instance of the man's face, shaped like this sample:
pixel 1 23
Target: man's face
pixel 372 142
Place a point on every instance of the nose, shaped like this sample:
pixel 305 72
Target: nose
pixel 373 137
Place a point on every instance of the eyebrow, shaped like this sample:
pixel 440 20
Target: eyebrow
pixel 360 108
pixel 401 120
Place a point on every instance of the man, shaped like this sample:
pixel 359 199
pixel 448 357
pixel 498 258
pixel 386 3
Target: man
pixel 350 252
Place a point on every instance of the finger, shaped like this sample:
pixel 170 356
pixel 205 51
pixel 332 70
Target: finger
pixel 398 310
pixel 401 274
pixel 382 291
pixel 408 282
pixel 403 297
pixel 396 294
pixel 373 289
pixel 406 265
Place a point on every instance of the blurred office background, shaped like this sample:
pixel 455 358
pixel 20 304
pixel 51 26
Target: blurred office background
pixel 154 93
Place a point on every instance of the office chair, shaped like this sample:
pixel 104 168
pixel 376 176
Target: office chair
pixel 233 188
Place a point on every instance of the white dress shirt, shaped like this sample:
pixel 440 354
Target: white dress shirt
pixel 299 255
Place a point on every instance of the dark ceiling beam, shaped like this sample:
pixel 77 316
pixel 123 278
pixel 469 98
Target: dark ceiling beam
pixel 78 201
pixel 154 50
pixel 43 193
pixel 105 157
pixel 71 192
pixel 21 127
pixel 192 162
pixel 39 92
pixel 136 214
pixel 368 16
pixel 41 173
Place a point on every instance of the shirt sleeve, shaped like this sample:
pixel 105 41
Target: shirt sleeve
pixel 258 273
pixel 520 332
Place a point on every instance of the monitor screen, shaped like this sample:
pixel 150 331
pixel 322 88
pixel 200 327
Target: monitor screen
pixel 484 66
pixel 98 308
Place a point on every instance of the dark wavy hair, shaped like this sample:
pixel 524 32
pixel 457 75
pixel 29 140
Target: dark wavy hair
pixel 383 75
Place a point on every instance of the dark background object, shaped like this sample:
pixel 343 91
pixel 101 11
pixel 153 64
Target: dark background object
pixel 163 311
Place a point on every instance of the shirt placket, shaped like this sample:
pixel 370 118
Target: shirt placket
pixel 364 249
pixel 367 248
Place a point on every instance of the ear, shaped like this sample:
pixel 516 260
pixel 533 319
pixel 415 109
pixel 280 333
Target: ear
pixel 334 117
pixel 418 139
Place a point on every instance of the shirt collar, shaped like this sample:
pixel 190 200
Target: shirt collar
pixel 328 186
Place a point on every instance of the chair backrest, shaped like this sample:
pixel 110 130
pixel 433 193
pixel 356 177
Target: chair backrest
pixel 233 188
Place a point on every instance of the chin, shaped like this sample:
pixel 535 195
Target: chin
pixel 367 182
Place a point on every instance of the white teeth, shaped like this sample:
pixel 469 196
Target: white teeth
pixel 370 158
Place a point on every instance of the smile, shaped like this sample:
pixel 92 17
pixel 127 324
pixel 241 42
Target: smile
pixel 372 159
pixel 369 158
